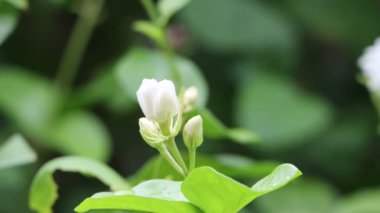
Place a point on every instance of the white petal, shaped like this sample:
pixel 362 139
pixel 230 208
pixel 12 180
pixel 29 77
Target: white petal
pixel 147 124
pixel 369 63
pixel 168 85
pixel 146 95
pixel 166 106
pixel 194 126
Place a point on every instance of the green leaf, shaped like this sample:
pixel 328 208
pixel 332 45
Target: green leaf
pixel 362 201
pixel 167 8
pixel 8 20
pixel 130 202
pixel 346 142
pixel 231 165
pixel 161 189
pixel 203 187
pixel 243 136
pixel 281 176
pixel 281 113
pixel 139 63
pixel 80 133
pixel 16 151
pixel 214 128
pixel 34 105
pixel 214 192
pixel 239 25
pixel 150 30
pixel 304 196
pixel 43 192
pixel 20 4
pixel 29 100
pixel 161 196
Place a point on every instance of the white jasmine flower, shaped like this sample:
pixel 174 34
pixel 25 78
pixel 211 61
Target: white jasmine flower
pixel 158 100
pixel 193 132
pixel 369 63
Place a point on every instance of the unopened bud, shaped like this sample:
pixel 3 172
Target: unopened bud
pixel 193 132
pixel 190 98
pixel 150 132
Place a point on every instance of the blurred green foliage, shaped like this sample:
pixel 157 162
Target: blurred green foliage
pixel 283 69
pixel 15 151
pixel 306 195
pixel 8 19
pixel 282 114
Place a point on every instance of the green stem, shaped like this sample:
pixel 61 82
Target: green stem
pixel 192 157
pixel 171 59
pixel 164 43
pixel 172 146
pixel 168 157
pixel 150 9
pixel 78 41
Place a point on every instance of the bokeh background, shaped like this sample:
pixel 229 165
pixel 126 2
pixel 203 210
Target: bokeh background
pixel 286 70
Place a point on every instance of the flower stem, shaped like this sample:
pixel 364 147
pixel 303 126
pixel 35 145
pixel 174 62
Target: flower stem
pixel 78 41
pixel 164 43
pixel 168 157
pixel 150 9
pixel 171 59
pixel 192 157
pixel 172 146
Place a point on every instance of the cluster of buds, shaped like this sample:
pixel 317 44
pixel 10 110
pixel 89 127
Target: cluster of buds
pixel 163 112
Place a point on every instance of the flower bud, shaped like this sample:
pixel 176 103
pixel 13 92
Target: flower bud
pixel 158 100
pixel 190 98
pixel 150 132
pixel 193 132
pixel 369 63
pixel 191 95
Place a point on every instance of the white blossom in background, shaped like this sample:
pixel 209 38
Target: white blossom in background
pixel 369 63
pixel 158 100
pixel 191 95
pixel 190 98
